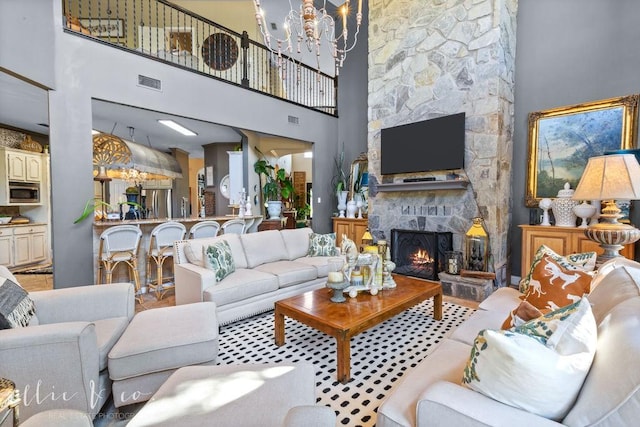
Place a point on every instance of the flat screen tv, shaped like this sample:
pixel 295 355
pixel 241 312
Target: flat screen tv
pixel 426 146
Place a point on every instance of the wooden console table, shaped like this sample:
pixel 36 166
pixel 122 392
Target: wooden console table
pixel 353 228
pixel 563 240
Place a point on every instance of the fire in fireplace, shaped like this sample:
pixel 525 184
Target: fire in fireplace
pixel 420 253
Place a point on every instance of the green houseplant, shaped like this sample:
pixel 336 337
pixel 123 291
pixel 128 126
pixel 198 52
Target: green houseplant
pixel 277 187
pixel 96 205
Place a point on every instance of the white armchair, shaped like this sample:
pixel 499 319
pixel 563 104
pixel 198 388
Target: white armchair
pixel 59 361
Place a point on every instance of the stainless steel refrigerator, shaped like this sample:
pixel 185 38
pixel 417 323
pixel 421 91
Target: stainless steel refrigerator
pixel 159 204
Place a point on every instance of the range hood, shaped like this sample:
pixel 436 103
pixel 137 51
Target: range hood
pixel 114 154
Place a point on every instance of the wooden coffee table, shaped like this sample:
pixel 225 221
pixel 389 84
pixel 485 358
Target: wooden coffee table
pixel 345 320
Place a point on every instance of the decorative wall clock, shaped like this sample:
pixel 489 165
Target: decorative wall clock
pixel 220 51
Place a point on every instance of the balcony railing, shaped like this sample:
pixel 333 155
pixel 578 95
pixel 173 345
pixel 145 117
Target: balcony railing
pixel 163 31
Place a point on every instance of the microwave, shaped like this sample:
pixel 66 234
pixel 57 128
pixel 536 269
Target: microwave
pixel 24 192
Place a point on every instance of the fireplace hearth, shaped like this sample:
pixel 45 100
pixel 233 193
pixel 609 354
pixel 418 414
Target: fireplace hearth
pixel 420 253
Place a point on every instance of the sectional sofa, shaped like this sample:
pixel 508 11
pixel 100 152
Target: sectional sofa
pixel 431 394
pixel 269 266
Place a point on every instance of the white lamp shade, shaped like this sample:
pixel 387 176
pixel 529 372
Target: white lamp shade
pixel 611 177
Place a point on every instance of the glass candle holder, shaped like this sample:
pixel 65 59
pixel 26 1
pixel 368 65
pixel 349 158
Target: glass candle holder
pixel 453 262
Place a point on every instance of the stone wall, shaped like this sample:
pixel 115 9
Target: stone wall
pixel 431 58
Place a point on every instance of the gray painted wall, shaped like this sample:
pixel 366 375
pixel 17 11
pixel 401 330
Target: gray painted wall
pixel 81 70
pixel 568 52
pixel 352 96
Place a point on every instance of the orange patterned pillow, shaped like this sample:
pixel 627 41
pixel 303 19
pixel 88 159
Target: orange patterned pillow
pixel 550 288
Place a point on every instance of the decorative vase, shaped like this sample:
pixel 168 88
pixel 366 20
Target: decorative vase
pixel 563 207
pixel 352 208
pixel 359 204
pixel 274 208
pixel 545 205
pixel 584 211
pixel 342 202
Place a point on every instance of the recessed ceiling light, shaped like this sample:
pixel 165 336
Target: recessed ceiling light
pixel 177 127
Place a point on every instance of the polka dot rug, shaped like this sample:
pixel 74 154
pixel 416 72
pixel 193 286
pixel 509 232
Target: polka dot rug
pixel 379 356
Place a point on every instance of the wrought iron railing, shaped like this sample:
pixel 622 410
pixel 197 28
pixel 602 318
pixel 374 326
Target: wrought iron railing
pixel 166 32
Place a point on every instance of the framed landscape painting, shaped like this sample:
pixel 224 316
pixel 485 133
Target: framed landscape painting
pixel 561 140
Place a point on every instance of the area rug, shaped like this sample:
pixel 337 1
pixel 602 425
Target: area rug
pixel 379 356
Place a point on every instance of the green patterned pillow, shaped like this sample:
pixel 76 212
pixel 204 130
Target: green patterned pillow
pixel 544 326
pixel 322 244
pixel 532 369
pixel 585 261
pixel 218 257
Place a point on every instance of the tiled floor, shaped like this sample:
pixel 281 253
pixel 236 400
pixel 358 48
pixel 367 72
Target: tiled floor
pixel 38 282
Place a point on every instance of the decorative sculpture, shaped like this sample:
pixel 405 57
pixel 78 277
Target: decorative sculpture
pixel 370 261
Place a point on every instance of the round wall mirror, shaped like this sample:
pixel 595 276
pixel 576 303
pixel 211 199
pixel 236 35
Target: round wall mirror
pixel 224 186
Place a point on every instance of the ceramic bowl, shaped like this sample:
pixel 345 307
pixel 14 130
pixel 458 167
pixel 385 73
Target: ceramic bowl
pixel 5 219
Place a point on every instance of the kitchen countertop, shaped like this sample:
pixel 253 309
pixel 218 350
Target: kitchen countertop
pixel 101 224
pixel 29 224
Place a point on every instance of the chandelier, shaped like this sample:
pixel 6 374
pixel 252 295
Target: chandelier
pixel 311 27
pixel 133 176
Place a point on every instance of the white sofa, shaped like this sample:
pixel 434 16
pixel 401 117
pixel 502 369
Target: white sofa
pixel 431 394
pixel 269 266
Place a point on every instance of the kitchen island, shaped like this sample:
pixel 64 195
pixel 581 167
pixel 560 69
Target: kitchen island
pixel 146 226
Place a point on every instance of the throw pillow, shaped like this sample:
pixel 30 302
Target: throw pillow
pixel 322 244
pixel 218 257
pixel 585 261
pixel 538 369
pixel 551 286
pixel 16 308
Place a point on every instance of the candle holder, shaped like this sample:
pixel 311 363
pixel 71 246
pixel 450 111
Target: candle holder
pixel 453 262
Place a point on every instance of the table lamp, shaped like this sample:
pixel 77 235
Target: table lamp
pixel 609 178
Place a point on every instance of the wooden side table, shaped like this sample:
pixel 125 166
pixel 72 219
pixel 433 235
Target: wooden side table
pixel 9 401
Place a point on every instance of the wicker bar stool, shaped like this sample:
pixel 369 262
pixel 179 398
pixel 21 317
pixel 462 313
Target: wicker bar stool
pixel 236 226
pixel 161 249
pixel 204 229
pixel 120 244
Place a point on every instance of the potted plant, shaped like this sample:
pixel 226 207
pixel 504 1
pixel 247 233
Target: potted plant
pixel 277 187
pixel 98 209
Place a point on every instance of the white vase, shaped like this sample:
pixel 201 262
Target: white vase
pixel 584 211
pixel 274 208
pixel 342 202
pixel 359 204
pixel 352 208
pixel 545 205
pixel 563 207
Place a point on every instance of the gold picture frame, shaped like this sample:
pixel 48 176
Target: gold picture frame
pixel 561 140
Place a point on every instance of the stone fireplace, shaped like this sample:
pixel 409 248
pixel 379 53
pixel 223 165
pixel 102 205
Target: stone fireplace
pixel 419 253
pixel 433 58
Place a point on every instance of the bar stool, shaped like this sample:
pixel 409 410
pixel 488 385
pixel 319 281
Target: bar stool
pixel 204 229
pixel 161 249
pixel 253 227
pixel 236 226
pixel 118 244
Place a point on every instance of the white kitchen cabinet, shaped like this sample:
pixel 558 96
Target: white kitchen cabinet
pixel 21 166
pixel 23 245
pixel 6 246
